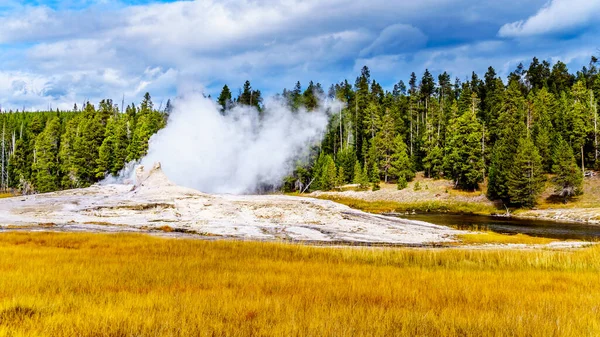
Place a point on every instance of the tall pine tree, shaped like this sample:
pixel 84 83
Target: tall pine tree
pixel 525 176
pixel 46 165
pixel 568 180
pixel 464 159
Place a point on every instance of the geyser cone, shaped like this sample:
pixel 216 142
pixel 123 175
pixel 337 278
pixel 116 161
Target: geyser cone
pixel 236 152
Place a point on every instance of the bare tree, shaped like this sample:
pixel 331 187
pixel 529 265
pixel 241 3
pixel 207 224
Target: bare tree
pixel 4 165
pixel 593 104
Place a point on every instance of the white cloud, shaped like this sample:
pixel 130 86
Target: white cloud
pixel 396 39
pixel 36 91
pixel 37 24
pixel 555 16
pixel 64 55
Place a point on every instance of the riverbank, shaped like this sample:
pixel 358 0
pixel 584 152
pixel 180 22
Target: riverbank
pixel 424 195
pixel 129 284
pixel 590 216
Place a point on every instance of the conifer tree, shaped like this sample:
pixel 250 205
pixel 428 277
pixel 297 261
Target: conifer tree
pixel 433 163
pixel 105 152
pixel 46 166
pixel 149 121
pixel 435 132
pixel 296 97
pixel 131 112
pixel 401 166
pixel 543 142
pixel 525 177
pixel 169 106
pixel 250 97
pixel 568 180
pixel 120 144
pixel 66 154
pixel 375 176
pixel 579 120
pixel 329 174
pixel 113 151
pixel 361 176
pixel 357 173
pixel 309 98
pixel 341 177
pixel 224 98
pixel 37 124
pixel 372 120
pixel 346 158
pixel 361 101
pixel 494 103
pixel 385 144
pixel 428 142
pixel 365 180
pixel 372 165
pixel 87 144
pixel 21 161
pixel 511 130
pixel 464 159
pixel 541 130
pixel 317 169
pixel 402 183
pixel 560 79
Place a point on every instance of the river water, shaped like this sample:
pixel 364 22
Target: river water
pixel 548 229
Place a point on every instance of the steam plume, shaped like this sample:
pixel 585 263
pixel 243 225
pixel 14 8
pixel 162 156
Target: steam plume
pixel 236 152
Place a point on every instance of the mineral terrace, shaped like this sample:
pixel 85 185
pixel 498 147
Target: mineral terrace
pixel 154 203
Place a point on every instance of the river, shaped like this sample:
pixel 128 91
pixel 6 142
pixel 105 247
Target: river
pixel 548 229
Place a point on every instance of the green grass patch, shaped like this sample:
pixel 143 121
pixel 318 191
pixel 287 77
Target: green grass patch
pixel 386 206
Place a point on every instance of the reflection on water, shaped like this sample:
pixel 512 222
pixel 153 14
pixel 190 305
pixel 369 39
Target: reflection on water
pixel 548 229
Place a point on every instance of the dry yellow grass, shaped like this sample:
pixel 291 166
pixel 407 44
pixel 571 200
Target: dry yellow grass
pixel 133 285
pixel 55 284
pixel 489 237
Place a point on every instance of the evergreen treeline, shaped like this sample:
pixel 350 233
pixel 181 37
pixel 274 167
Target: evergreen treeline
pixel 52 150
pixel 542 120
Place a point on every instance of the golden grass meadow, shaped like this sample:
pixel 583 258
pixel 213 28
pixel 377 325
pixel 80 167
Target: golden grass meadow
pixel 67 284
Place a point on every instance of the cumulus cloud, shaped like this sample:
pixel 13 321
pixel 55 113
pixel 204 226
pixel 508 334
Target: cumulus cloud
pixel 34 91
pixel 40 23
pixel 555 17
pixel 103 49
pixel 396 39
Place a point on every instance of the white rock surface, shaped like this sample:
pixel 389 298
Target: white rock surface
pixel 154 202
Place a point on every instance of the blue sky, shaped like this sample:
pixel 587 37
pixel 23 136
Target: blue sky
pixel 57 53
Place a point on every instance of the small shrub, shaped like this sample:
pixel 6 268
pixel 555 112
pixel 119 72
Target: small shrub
pixel 417 186
pixel 402 183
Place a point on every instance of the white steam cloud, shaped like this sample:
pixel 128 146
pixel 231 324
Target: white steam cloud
pixel 233 153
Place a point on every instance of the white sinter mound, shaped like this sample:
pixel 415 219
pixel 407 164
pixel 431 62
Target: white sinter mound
pixel 154 202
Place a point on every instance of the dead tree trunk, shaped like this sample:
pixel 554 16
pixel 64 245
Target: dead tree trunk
pixel 596 149
pixel 341 135
pixel 4 173
pixel 582 163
